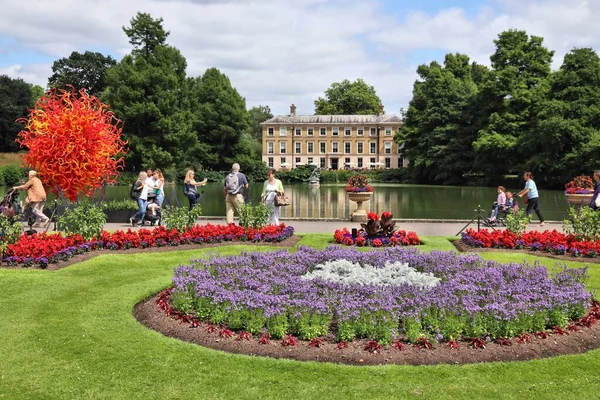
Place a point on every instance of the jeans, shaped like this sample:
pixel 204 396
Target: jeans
pixel 160 198
pixel 142 204
pixel 193 198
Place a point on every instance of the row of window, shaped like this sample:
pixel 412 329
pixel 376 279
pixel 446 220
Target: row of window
pixel 334 131
pixel 334 147
pixel 347 163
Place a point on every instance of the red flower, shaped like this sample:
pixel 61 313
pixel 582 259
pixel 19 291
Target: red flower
pixel 373 216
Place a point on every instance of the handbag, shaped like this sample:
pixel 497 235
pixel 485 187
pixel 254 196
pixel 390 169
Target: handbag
pixel 281 200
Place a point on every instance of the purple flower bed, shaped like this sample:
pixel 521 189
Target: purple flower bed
pixel 475 298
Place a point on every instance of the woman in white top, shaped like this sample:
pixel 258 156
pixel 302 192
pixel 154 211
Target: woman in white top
pixel 271 188
pixel 140 191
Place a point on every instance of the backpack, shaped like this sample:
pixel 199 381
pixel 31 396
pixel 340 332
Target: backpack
pixel 232 183
pixel 134 194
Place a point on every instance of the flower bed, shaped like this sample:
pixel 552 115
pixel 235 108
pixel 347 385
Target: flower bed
pixel 582 184
pixel 278 294
pixel 41 249
pixel 549 241
pixel 377 232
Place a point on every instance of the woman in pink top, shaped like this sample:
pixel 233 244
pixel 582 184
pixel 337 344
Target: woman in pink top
pixel 500 202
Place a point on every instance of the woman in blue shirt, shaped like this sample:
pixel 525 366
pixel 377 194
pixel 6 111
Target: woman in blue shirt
pixel 532 196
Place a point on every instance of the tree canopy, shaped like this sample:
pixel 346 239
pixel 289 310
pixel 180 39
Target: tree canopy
pixel 348 98
pixel 16 96
pixel 82 71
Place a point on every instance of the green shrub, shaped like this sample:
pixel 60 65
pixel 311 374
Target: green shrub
pixel 517 223
pixel 12 229
pixel 83 218
pixel 180 218
pixel 583 222
pixel 127 177
pixel 11 175
pixel 120 205
pixel 254 216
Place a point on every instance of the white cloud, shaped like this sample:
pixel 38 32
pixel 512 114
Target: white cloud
pixel 278 52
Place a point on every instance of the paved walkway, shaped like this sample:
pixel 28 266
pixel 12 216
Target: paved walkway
pixel 422 228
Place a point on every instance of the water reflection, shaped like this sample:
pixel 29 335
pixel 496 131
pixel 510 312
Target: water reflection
pixel 331 201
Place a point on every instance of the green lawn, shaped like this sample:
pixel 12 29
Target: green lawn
pixel 70 334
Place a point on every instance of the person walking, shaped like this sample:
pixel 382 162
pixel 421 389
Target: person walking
pixel 190 189
pixel 140 193
pixel 532 196
pixel 271 188
pixel 159 186
pixel 36 198
pixel 596 178
pixel 233 190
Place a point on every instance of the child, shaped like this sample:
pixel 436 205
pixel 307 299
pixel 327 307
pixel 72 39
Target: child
pixel 500 203
pixel 511 203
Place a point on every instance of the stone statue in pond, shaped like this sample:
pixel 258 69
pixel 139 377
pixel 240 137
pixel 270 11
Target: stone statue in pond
pixel 315 176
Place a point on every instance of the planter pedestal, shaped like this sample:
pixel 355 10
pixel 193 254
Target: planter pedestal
pixel 579 199
pixel 360 214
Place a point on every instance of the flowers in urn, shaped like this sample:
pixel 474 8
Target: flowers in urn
pixel 359 183
pixel 379 227
pixel 581 184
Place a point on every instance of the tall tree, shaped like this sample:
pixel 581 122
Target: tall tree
pixel 348 98
pixel 520 64
pixel 439 125
pixel 146 33
pixel 565 138
pixel 15 98
pixel 148 90
pixel 258 115
pixel 221 119
pixel 82 71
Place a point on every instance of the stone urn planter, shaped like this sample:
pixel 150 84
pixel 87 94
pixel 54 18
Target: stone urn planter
pixel 576 199
pixel 360 214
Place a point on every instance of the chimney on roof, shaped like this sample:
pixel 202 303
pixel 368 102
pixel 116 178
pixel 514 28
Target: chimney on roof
pixel 380 109
pixel 293 110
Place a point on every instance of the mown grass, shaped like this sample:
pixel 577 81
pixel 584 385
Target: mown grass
pixel 70 334
pixel 14 159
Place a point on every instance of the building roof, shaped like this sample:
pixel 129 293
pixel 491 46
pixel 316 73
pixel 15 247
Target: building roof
pixel 333 119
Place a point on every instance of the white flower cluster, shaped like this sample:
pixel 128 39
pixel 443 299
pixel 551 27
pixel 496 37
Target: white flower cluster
pixel 392 274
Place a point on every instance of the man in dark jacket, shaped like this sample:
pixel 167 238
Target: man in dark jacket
pixel 596 189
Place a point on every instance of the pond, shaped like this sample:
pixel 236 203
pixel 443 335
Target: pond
pixel 331 201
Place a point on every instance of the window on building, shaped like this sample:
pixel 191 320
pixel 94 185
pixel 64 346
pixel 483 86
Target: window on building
pixel 335 131
pixel 388 131
pixel 335 147
pixel 270 131
pixel 347 147
pixel 282 147
pixel 270 148
pixel 347 162
pixel 360 131
pixel 298 131
pixel 310 147
pixel 372 147
pixel 298 147
pixel 297 160
pixel 347 131
pixel 309 161
pixel 373 131
pixel 283 160
pixel 322 164
pixel 270 162
pixel 283 131
pixel 310 131
pixel 322 148
pixel 372 162
pixel 323 131
pixel 388 147
pixel 388 162
pixel 359 147
pixel 359 162
pixel 401 160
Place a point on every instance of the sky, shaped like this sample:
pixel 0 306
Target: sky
pixel 279 52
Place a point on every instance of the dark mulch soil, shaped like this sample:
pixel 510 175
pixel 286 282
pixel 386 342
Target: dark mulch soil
pixel 289 242
pixel 149 314
pixel 463 247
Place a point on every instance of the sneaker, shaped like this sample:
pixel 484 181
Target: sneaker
pixel 542 223
pixel 132 221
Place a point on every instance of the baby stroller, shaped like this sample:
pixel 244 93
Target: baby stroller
pixel 10 206
pixel 153 212
pixel 511 207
